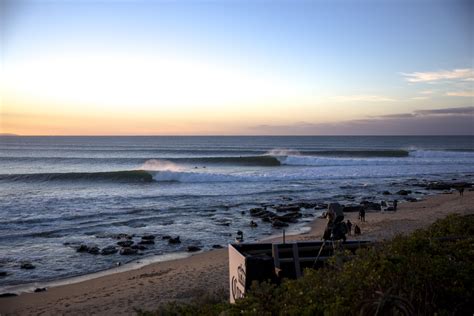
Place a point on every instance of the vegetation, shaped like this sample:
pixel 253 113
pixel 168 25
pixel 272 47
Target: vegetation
pixel 429 272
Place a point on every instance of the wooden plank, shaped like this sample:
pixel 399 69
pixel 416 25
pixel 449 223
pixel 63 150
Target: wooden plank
pixel 296 259
pixel 276 256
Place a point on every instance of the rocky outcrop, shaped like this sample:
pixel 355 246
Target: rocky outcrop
pixel 175 240
pixel 125 243
pixel 193 248
pixel 94 250
pixel 404 192
pixel 109 250
pixel 128 251
pixel 27 265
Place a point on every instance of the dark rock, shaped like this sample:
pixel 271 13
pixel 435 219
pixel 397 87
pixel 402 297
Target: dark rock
pixel 8 294
pixel 217 246
pixel 404 192
pixel 242 212
pixel 193 248
pixel 386 193
pixel 411 199
pixel 148 237
pixel 109 250
pixel 147 242
pixel 125 243
pixel 307 205
pixel 371 206
pixel 3 273
pixel 287 208
pixel 27 265
pixel 308 215
pixel 266 219
pixel 321 206
pixel 253 224
pixel 166 237
pixel 278 224
pixel 128 251
pixel 40 289
pixel 351 208
pixel 94 250
pixel 288 217
pixel 83 248
pixel 123 236
pixel 438 186
pixel 256 210
pixel 139 247
pixel 175 240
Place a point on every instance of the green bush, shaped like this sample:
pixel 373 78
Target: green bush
pixel 429 272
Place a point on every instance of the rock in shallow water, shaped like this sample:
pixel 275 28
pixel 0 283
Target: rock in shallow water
pixel 82 248
pixel 94 250
pixel 148 237
pixel 175 240
pixel 109 250
pixel 125 243
pixel 27 265
pixel 40 289
pixel 193 248
pixel 128 251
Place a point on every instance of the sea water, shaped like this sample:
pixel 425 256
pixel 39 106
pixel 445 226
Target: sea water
pixel 59 192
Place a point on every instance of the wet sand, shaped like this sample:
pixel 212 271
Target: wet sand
pixel 182 279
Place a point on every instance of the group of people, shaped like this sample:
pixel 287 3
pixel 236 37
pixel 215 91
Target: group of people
pixel 336 228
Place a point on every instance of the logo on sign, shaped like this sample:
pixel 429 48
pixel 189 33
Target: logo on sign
pixel 238 284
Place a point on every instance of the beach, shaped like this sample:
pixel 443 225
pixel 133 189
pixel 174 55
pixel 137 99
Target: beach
pixel 206 273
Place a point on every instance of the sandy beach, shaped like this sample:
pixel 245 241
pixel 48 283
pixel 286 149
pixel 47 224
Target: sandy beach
pixel 148 287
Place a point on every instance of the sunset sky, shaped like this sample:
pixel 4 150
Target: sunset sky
pixel 236 67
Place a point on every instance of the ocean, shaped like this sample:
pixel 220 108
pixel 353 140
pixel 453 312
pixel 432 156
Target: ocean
pixel 57 193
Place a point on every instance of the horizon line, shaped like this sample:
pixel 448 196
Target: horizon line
pixel 234 135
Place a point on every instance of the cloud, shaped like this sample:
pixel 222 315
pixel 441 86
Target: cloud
pixel 447 121
pixel 464 73
pixel 465 110
pixel 420 98
pixel 427 92
pixel 461 93
pixel 362 97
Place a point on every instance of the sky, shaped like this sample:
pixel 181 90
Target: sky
pixel 230 67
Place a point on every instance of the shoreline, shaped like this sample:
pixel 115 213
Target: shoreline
pixel 146 287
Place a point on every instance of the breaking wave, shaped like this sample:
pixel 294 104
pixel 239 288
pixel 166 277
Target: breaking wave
pixel 121 176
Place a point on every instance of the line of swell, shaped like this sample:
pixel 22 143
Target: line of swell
pixel 358 153
pixel 121 176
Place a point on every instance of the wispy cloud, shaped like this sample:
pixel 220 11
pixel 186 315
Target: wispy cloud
pixel 461 93
pixel 464 110
pixel 362 97
pixel 433 76
pixel 427 92
pixel 420 98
